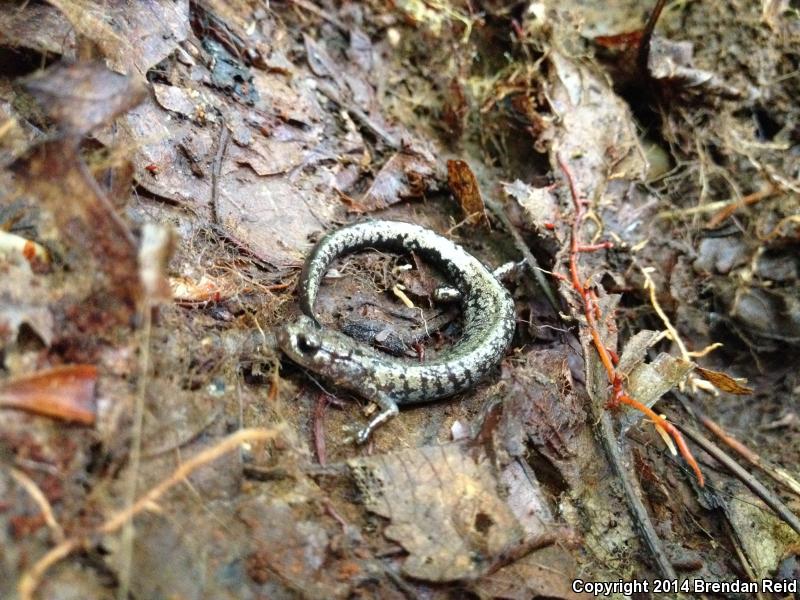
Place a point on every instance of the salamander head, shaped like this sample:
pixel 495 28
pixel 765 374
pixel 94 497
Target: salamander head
pixel 300 340
pixel 322 350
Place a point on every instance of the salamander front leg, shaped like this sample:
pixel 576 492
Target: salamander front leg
pixel 388 410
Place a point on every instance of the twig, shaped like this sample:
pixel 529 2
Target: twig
pixel 754 484
pixel 530 259
pixel 31 579
pixel 126 543
pixel 359 115
pixel 216 170
pixel 774 471
pixel 632 494
pixel 47 510
pixel 324 15
pixel 734 205
pixel 647 37
pixel 591 312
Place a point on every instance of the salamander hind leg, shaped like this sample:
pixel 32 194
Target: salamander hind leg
pixel 388 409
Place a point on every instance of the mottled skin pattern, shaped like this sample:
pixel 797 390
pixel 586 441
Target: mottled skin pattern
pixel 390 381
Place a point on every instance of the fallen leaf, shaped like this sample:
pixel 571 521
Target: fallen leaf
pixel 407 174
pixel 65 393
pixel 724 382
pixel 79 97
pixel 465 188
pixel 443 509
pixel 649 381
pixel 595 133
pixel 634 352
pixel 539 203
pixel 131 35
pixel 38 26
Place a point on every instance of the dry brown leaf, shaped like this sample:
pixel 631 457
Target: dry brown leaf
pixel 65 393
pixel 724 382
pixel 443 507
pixel 82 96
pixel 407 174
pixel 465 188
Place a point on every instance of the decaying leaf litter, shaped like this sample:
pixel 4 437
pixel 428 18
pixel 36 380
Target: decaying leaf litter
pixel 166 166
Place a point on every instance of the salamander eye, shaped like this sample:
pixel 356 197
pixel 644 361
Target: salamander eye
pixel 307 344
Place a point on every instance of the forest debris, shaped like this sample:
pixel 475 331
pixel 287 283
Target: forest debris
pixel 595 130
pixel 542 407
pixel 765 539
pixel 443 507
pixel 22 302
pixel 131 35
pixel 540 205
pixel 31 579
pixel 649 381
pixel 155 252
pixel 720 216
pixel 38 26
pixel 54 173
pixel 187 290
pixel 407 174
pixel 635 350
pixel 671 61
pixel 771 314
pixel 80 97
pixel 773 501
pixel 435 15
pixel 464 186
pixel 179 100
pixel 30 250
pixel 305 559
pixel 720 254
pixel 724 382
pixel 35 492
pixel 65 393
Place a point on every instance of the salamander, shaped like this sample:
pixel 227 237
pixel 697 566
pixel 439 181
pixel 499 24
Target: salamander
pixel 488 324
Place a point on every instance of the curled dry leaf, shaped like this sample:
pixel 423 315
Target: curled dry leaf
pixel 647 382
pixel 724 382
pixel 464 185
pixel 65 393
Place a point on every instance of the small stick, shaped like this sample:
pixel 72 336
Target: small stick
pixel 216 171
pixel 36 493
pixel 777 473
pixel 719 217
pixel 530 259
pixel 754 484
pixel 647 37
pixel 631 488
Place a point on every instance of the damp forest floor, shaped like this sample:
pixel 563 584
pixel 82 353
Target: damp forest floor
pixel 166 166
